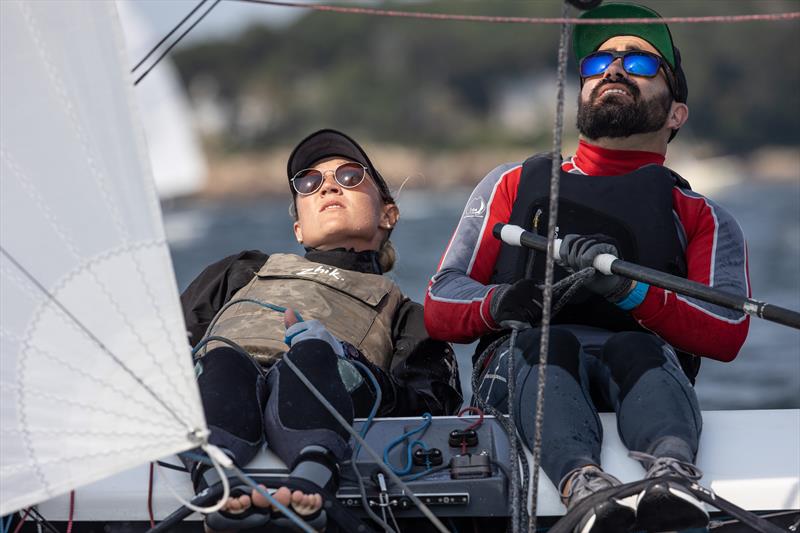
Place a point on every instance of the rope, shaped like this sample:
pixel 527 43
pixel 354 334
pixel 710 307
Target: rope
pixel 555 173
pixel 71 511
pixel 21 520
pixel 505 422
pixel 727 19
pixel 514 452
pixel 566 287
pixel 150 496
pixel 266 305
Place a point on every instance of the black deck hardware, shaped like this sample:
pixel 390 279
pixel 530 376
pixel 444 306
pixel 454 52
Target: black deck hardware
pixel 460 436
pixel 470 466
pixel 432 457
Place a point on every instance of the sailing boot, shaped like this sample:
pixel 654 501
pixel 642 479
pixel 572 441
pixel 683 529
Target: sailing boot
pixel 668 505
pixel 314 471
pixel 610 515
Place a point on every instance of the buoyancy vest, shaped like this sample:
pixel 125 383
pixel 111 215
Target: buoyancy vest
pixel 635 209
pixel 356 307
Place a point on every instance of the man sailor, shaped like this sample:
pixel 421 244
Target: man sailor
pixel 618 344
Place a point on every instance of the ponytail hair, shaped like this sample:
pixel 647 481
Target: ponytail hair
pixel 387 256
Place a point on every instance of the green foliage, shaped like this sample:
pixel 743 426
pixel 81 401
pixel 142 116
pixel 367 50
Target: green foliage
pixel 439 83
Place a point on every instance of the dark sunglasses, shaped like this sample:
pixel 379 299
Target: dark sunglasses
pixel 634 62
pixel 309 180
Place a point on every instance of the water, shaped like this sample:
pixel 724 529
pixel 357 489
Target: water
pixel 765 375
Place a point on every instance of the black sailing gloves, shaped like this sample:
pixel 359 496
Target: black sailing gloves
pixel 520 302
pixel 578 252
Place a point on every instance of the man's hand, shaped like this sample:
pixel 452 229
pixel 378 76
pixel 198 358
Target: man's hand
pixel 578 252
pixel 520 302
pixel 309 329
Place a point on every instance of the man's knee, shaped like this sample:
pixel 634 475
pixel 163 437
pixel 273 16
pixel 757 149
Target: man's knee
pixel 563 348
pixel 630 354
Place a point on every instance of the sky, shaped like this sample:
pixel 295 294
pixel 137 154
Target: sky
pixel 228 17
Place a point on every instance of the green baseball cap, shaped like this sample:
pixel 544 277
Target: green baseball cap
pixel 588 37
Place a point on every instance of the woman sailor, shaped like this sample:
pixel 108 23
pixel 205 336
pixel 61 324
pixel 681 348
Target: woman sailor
pixel 344 215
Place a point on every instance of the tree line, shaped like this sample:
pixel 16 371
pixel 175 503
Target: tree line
pixel 443 84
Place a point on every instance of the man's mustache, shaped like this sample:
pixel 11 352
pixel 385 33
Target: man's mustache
pixel 632 88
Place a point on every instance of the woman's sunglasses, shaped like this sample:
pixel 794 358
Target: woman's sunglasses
pixel 309 180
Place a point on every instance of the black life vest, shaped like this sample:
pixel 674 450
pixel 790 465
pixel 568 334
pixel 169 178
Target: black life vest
pixel 635 209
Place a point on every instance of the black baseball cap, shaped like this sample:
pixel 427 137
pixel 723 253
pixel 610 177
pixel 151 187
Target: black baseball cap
pixel 587 38
pixel 331 143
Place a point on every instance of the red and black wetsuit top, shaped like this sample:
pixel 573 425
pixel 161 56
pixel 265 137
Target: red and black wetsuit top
pixel 712 251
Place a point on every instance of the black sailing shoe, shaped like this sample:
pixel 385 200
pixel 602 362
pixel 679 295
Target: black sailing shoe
pixel 611 515
pixel 668 505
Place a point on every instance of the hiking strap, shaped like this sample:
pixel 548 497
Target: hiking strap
pixel 570 520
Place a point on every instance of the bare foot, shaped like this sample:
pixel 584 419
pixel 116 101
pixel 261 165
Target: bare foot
pixel 301 503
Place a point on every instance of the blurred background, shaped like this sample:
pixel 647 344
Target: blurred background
pixel 437 105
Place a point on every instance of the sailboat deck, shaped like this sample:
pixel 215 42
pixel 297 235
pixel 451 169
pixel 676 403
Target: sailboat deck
pixel 751 458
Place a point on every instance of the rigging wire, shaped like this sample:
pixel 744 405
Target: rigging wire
pixel 168 35
pixel 758 17
pixel 180 37
pixel 547 293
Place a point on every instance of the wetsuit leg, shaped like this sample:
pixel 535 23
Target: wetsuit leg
pixel 572 433
pixel 233 393
pixel 295 419
pixel 656 405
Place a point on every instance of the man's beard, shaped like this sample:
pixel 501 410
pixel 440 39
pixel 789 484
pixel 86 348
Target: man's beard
pixel 616 116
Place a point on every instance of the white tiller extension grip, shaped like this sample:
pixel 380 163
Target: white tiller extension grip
pixel 513 235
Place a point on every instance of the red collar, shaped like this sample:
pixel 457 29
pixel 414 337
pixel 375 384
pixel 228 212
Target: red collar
pixel 597 161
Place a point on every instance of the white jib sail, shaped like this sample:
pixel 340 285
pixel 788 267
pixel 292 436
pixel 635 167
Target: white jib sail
pixel 79 214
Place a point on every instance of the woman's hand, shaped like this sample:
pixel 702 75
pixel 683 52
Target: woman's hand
pixel 310 329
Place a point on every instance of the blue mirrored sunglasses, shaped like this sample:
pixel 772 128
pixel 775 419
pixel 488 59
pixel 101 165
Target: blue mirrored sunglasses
pixel 635 62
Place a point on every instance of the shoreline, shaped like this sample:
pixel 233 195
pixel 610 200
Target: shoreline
pixel 248 175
